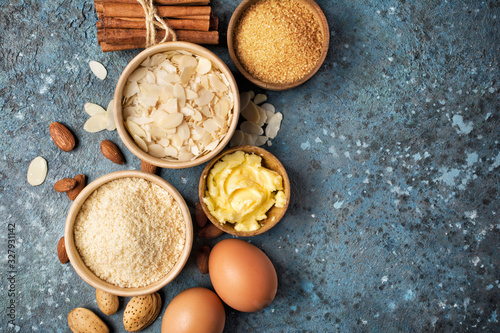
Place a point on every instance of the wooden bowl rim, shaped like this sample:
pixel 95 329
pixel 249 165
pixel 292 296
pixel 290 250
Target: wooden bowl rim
pixel 318 13
pixel 118 95
pixel 228 227
pixel 86 274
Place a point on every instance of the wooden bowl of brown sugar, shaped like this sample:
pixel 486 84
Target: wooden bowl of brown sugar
pixel 278 45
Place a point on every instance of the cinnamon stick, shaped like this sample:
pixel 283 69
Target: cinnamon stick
pixel 117 9
pixel 138 23
pixel 164 2
pixel 138 36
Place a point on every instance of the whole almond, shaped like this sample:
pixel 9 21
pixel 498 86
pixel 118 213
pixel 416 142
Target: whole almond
pixel 199 215
pixel 80 184
pixel 202 259
pixel 81 320
pixel 210 231
pixel 107 302
pixel 141 311
pixel 111 152
pixel 146 167
pixel 65 184
pixel 62 136
pixel 61 251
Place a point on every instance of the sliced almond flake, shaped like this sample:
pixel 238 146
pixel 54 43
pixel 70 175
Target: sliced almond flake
pixel 150 77
pixel 186 74
pixel 138 74
pixel 110 124
pixel 260 140
pixel 147 100
pixel 187 111
pixel 222 108
pixel 195 150
pixel 141 120
pixel 187 61
pixel 180 94
pixel 157 131
pixel 96 123
pixel 168 91
pixel 250 112
pixel 197 116
pixel 156 150
pixel 157 59
pixel 212 145
pixel 93 109
pixel 164 142
pixel 204 82
pixel 198 132
pixel 268 107
pixel 210 125
pixel 171 151
pixel 98 69
pixel 171 106
pixel 244 99
pixel 146 129
pixel 252 94
pixel 185 156
pixel 219 121
pixel 140 143
pixel 259 98
pixel 183 131
pixel 168 67
pixel 37 171
pixel 216 83
pixel 236 139
pixel 146 62
pixel 172 120
pixel 274 124
pixel 130 89
pixel 190 94
pixel 251 128
pixel 176 141
pixel 135 129
pixel 172 78
pixel 204 66
pixel 224 79
pixel 206 111
pixel 129 112
pixel 262 116
pixel 204 97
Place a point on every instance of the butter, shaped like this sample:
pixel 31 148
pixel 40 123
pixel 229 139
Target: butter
pixel 241 191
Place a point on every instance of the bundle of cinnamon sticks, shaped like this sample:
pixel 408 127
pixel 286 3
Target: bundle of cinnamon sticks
pixel 122 26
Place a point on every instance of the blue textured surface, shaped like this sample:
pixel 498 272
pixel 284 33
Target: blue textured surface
pixel 392 149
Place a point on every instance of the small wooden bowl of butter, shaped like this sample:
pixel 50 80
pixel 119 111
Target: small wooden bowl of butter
pixel 244 191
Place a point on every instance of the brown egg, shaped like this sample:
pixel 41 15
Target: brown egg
pixel 195 310
pixel 242 275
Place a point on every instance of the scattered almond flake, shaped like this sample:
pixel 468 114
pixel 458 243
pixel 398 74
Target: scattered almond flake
pixel 251 128
pixel 98 69
pixel 140 142
pixel 251 112
pixel 268 107
pixel 187 112
pixel 260 140
pixel 131 88
pixel 204 66
pixel 251 94
pixel 96 123
pixel 93 109
pixel 274 125
pixel 110 124
pixel 248 139
pixel 262 116
pixel 236 139
pixel 37 171
pixel 244 99
pixel 260 98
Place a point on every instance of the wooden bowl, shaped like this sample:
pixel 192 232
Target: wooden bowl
pixel 118 98
pixel 274 215
pixel 87 275
pixel 321 19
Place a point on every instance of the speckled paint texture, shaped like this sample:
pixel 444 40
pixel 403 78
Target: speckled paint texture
pixel 392 149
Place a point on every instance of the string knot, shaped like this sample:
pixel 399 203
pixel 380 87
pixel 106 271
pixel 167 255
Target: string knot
pixel 153 20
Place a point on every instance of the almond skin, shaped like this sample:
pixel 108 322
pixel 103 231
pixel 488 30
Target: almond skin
pixel 80 184
pixel 107 302
pixel 65 184
pixel 146 167
pixel 202 259
pixel 62 136
pixel 61 251
pixel 210 231
pixel 111 152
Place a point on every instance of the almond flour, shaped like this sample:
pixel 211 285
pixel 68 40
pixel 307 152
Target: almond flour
pixel 130 232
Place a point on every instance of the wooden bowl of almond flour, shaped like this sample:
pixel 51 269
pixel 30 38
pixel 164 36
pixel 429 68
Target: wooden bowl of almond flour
pixel 128 233
pixel 278 44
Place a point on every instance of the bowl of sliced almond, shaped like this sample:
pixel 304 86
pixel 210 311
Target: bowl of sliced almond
pixel 176 105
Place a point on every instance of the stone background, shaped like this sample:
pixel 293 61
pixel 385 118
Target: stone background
pixel 392 149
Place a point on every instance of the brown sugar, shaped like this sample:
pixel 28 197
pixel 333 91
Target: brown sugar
pixel 278 41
